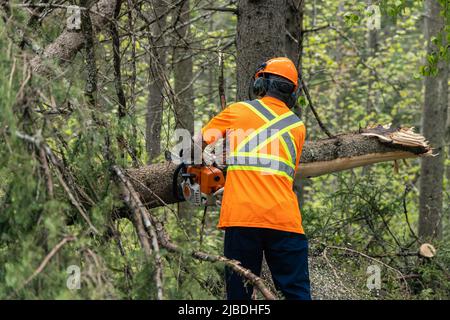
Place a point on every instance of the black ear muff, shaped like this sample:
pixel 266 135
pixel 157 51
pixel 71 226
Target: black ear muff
pixel 292 103
pixel 260 86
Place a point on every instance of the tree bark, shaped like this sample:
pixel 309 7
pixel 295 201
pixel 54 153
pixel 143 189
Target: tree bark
pixel 346 151
pixel 155 89
pixel 372 48
pixel 184 89
pixel 448 145
pixel 183 70
pixel 260 35
pixel 294 29
pixel 433 127
pixel 90 88
pixel 294 51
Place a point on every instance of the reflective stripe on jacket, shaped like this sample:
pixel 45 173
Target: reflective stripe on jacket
pixel 265 141
pixel 246 155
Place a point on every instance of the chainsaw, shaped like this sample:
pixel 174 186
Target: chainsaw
pixel 197 183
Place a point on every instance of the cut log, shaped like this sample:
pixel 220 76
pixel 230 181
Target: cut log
pixel 349 151
pixel 427 250
pixel 345 151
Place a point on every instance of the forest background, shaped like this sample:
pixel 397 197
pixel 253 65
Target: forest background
pixel 86 91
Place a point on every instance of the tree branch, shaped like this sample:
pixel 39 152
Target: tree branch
pixel 64 48
pixel 222 9
pixel 159 236
pixel 37 141
pixel 141 220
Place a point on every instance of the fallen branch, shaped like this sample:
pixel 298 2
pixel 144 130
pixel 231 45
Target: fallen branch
pixel 159 236
pixel 256 281
pixel 39 144
pixel 236 267
pixel 141 220
pixel 343 152
pixel 46 260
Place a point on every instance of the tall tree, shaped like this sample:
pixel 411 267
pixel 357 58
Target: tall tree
pixel 433 127
pixel 372 48
pixel 183 76
pixel 155 88
pixel 266 29
pixel 448 143
pixel 259 37
pixel 183 68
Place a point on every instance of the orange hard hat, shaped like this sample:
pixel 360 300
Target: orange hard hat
pixel 280 66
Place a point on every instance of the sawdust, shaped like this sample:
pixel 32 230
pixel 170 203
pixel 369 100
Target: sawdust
pixel 328 283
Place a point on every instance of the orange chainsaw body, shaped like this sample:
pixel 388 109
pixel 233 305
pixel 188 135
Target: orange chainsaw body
pixel 209 178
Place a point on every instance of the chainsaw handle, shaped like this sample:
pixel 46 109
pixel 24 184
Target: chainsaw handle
pixel 176 189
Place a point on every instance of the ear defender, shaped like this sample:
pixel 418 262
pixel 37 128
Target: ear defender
pixel 292 101
pixel 260 86
pixel 294 97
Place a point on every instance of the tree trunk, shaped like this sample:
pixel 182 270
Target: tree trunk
pixel 372 48
pixel 294 51
pixel 155 89
pixel 447 139
pixel 265 29
pixel 154 182
pixel 183 70
pixel 433 127
pixel 260 35
pixel 294 29
pixel 184 90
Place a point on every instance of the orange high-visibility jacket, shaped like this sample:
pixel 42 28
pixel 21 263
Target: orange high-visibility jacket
pixel 265 141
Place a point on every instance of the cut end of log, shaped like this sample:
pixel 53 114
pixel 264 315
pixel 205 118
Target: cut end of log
pixel 427 250
pixel 371 145
pixel 403 136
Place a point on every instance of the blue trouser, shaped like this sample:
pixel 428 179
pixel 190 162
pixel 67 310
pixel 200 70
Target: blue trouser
pixel 286 254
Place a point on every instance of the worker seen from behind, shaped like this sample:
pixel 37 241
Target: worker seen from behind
pixel 259 209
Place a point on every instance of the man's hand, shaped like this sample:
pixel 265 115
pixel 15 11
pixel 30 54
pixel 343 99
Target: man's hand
pixel 218 196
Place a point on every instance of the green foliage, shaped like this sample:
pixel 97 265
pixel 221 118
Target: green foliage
pixel 352 84
pixel 440 44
